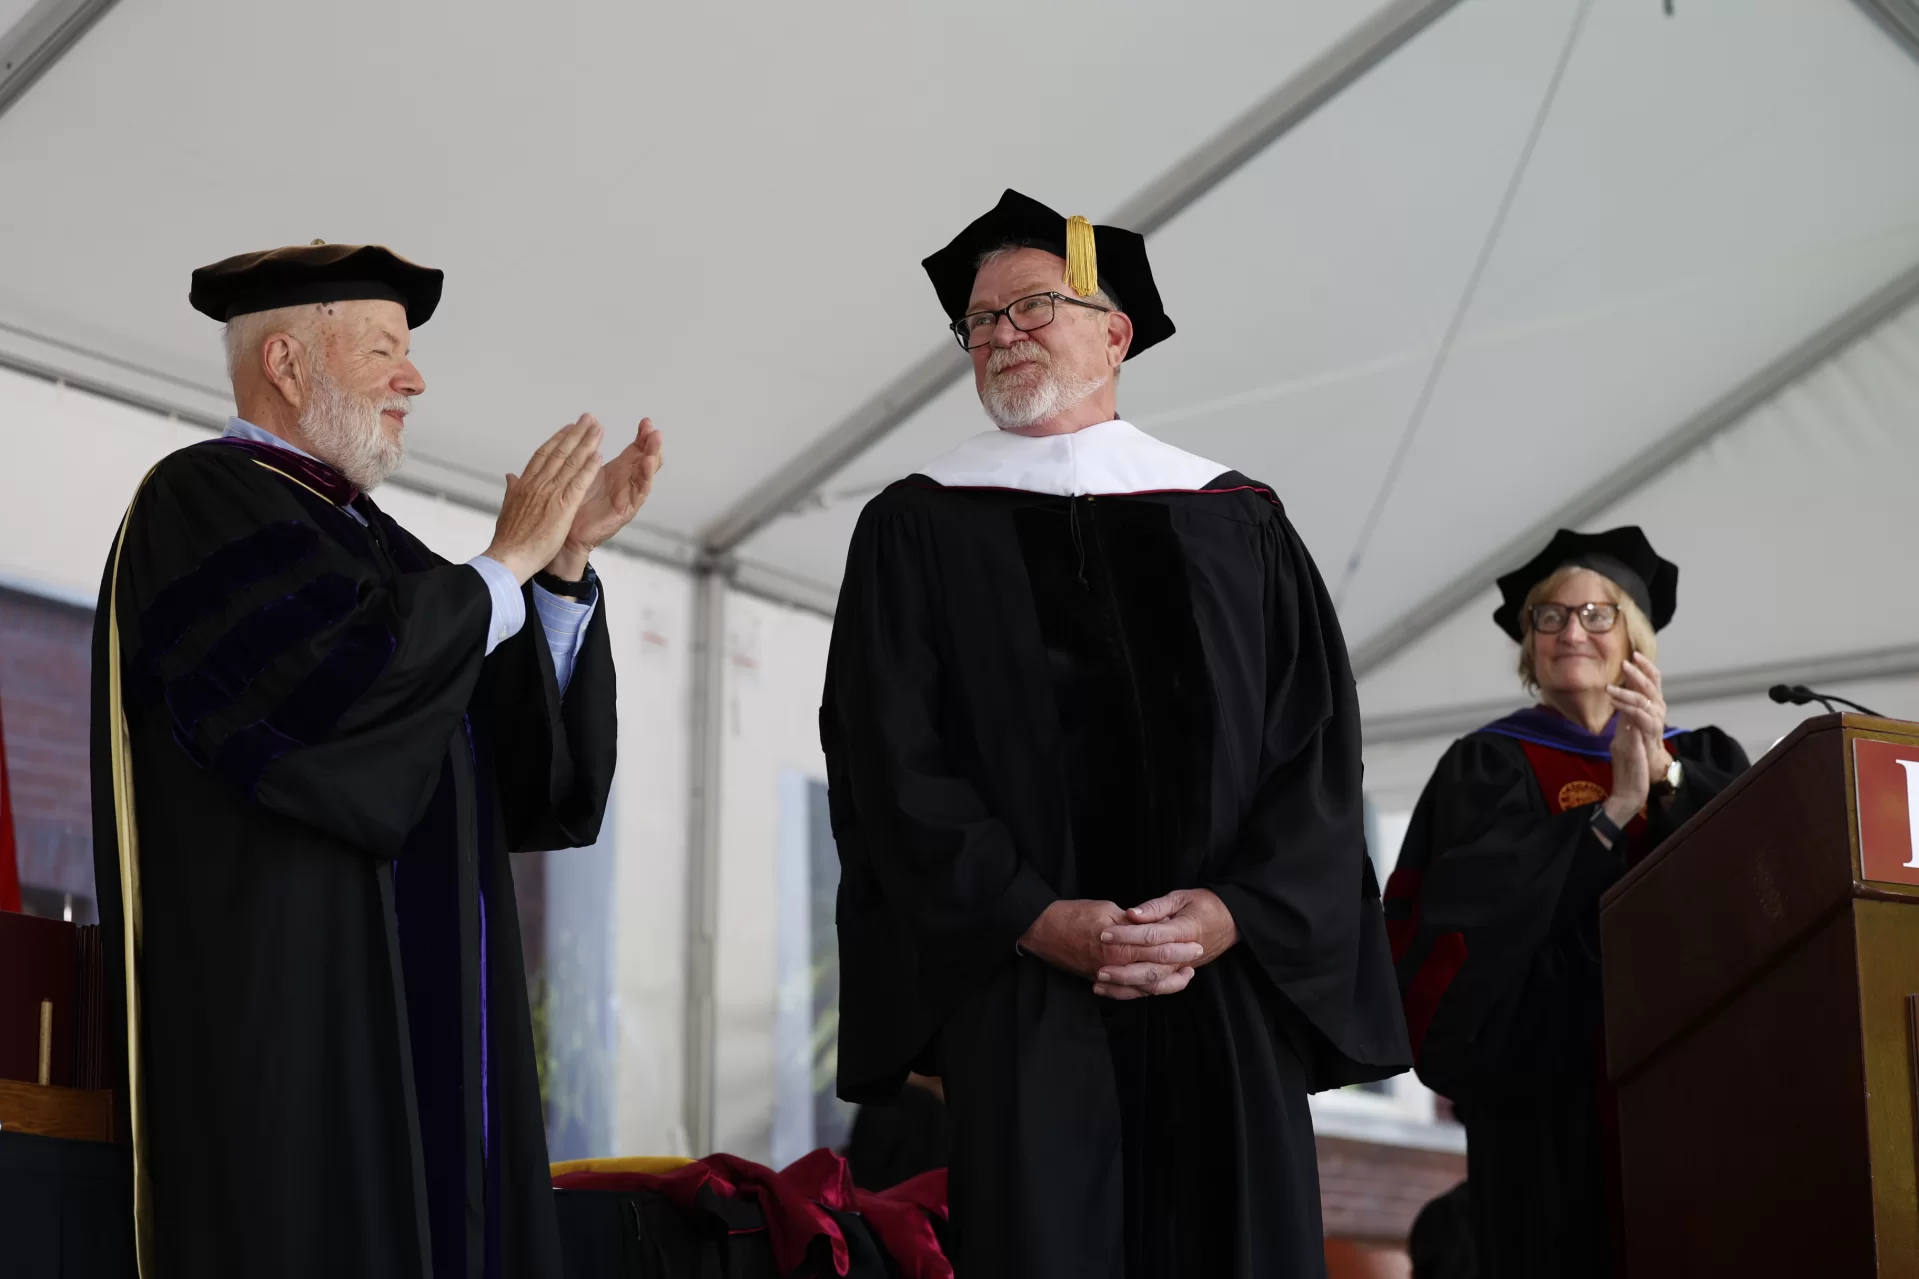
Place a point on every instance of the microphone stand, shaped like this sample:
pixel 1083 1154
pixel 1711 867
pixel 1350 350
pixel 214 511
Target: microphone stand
pixel 1799 695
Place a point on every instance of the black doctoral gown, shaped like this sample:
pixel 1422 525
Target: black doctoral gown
pixel 1494 909
pixel 1033 697
pixel 335 1066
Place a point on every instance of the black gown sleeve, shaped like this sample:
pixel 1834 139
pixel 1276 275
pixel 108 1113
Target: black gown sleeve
pixel 1494 913
pixel 556 754
pixel 903 809
pixel 1711 760
pixel 1299 883
pixel 1485 905
pixel 287 663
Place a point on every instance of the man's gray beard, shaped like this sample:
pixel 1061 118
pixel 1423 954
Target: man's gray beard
pixel 1014 408
pixel 345 431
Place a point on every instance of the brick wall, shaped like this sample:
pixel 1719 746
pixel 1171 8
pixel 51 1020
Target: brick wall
pixel 44 699
pixel 1372 1193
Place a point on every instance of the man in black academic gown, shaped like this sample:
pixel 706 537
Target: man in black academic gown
pixel 314 744
pixel 1093 748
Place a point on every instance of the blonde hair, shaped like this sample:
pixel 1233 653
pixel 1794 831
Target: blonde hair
pixel 1639 632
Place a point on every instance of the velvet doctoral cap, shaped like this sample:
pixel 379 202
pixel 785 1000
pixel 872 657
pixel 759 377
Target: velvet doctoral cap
pixel 1093 253
pixel 1622 554
pixel 311 273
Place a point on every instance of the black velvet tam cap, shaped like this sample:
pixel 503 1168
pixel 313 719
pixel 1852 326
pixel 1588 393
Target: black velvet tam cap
pixel 317 272
pixel 1118 257
pixel 1622 554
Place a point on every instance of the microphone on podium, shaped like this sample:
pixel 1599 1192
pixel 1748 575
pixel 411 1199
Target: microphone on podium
pixel 1799 695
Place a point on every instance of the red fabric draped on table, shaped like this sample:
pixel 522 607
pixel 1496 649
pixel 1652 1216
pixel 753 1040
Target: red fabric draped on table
pixel 798 1204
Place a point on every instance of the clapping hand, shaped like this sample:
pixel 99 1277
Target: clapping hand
pixel 1641 701
pixel 617 493
pixel 542 501
pixel 1639 752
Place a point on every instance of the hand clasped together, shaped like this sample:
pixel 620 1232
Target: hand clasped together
pixel 1152 949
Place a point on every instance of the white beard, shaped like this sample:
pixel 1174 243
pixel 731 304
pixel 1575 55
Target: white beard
pixel 346 431
pixel 1014 407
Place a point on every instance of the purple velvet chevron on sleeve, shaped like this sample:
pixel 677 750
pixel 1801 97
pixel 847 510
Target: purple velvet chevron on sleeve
pixel 187 601
pixel 312 709
pixel 238 657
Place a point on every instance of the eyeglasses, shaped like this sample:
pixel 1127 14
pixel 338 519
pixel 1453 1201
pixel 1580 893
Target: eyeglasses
pixel 1035 311
pixel 1597 617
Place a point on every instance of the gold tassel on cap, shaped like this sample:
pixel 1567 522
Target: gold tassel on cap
pixel 1082 257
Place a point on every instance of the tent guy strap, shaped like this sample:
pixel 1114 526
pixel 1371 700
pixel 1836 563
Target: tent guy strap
pixel 1462 308
pixel 1590 503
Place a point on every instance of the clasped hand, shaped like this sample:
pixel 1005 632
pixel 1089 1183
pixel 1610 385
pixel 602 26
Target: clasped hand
pixel 1152 949
pixel 565 503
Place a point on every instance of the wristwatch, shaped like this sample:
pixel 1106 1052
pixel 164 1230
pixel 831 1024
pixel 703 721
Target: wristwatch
pixel 1669 784
pixel 580 590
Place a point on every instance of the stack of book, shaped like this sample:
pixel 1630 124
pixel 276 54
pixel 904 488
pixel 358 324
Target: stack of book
pixel 89 1019
pixel 54 1066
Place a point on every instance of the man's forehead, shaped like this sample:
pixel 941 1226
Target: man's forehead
pixel 1017 274
pixel 373 317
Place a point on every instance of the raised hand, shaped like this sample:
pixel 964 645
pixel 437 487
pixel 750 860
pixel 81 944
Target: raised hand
pixel 616 495
pixel 1631 773
pixel 542 502
pixel 1639 697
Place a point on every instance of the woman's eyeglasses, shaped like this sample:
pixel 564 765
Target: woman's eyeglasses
pixel 1597 617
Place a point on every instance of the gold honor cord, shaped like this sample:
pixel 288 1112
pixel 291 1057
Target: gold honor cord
pixel 127 830
pixel 308 487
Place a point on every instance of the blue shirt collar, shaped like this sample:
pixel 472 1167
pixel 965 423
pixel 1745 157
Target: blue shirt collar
pixel 240 428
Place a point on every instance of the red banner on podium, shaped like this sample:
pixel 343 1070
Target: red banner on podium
pixel 1886 782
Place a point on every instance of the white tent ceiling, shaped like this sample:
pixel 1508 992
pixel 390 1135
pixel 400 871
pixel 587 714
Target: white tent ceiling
pixel 1792 528
pixel 710 213
pixel 715 215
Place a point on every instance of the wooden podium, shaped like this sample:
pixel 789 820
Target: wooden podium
pixel 1762 1019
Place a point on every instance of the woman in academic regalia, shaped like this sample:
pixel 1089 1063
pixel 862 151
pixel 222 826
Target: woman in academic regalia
pixel 1494 905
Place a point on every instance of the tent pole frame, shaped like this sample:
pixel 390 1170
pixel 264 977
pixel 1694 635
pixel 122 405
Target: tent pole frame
pixel 708 706
pixel 41 37
pixel 1899 19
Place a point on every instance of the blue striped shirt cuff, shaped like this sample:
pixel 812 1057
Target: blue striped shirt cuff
pixel 509 608
pixel 564 622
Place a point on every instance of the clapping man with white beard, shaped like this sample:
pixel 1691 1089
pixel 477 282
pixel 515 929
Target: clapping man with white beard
pixel 315 744
pixel 1093 749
